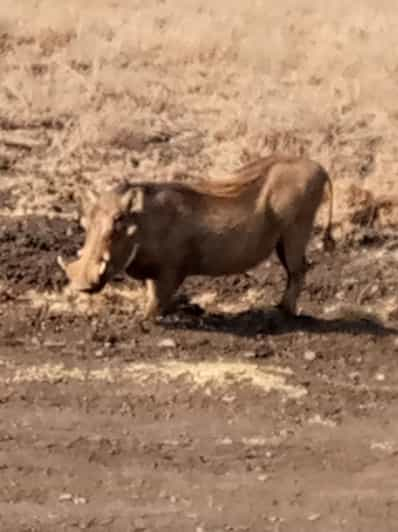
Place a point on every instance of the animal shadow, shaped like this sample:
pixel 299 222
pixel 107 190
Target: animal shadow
pixel 272 321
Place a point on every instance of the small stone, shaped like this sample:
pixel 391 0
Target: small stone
pixel 65 497
pixel 228 398
pixel 99 353
pixel 35 341
pixel 226 441
pixel 309 356
pixel 262 478
pixel 167 343
pixel 313 517
pixel 380 377
pixel 53 344
pixel 80 500
pixel 173 499
pixel 249 354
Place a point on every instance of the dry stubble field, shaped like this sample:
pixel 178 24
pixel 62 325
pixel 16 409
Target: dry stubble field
pixel 235 419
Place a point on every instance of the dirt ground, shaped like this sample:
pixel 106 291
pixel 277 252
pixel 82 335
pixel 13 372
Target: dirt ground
pixel 228 419
pixel 224 416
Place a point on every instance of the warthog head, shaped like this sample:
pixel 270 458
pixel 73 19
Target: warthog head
pixel 110 223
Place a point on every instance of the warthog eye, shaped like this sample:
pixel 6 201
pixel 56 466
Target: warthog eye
pixel 117 222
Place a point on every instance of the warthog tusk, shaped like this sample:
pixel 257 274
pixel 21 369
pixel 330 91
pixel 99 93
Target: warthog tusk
pixel 106 256
pixel 131 230
pixel 61 263
pixel 102 268
pixel 131 256
pixel 79 252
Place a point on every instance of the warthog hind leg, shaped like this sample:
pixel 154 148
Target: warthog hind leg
pixel 291 253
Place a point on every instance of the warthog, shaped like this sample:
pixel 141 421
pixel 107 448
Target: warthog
pixel 162 232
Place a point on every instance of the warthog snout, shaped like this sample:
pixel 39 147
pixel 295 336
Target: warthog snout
pixel 90 276
pixel 83 277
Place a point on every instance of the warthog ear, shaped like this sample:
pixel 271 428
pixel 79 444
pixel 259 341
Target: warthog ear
pixel 132 200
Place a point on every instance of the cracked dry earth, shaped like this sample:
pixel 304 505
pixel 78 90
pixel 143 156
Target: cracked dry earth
pixel 234 419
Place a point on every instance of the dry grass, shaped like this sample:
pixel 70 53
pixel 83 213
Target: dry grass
pixel 107 89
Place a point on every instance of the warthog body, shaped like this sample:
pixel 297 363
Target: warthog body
pixel 164 232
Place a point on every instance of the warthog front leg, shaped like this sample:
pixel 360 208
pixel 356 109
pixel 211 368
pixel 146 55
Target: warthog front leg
pixel 160 294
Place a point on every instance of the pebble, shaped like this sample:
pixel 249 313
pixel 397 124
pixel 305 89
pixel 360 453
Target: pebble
pixel 54 344
pixel 249 354
pixel 167 343
pixel 313 517
pixel 380 377
pixel 225 441
pixel 80 500
pixel 65 497
pixel 228 398
pixel 309 356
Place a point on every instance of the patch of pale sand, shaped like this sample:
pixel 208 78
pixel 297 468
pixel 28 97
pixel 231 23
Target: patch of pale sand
pixel 381 313
pixel 44 211
pixel 316 419
pixel 129 297
pixel 251 298
pixel 217 374
pixel 77 303
pixel 204 299
pixel 388 447
pixel 380 256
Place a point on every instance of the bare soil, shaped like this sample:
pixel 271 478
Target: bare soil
pixel 109 423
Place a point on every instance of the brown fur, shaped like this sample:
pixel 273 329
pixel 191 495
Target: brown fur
pixel 171 230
